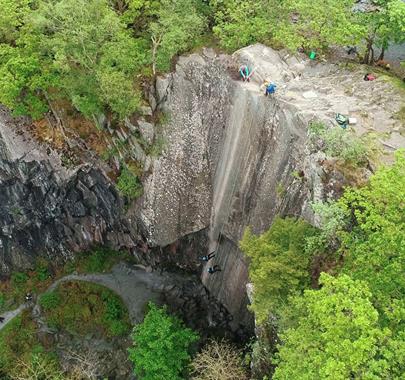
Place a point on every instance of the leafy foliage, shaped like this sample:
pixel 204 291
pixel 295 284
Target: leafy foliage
pixel 317 24
pixel 86 308
pixel 50 300
pixel 161 345
pixel 336 335
pixel 374 250
pixel 240 23
pixel 352 326
pixel 290 23
pixel 128 184
pixel 383 27
pixel 339 143
pixel 39 366
pixel 17 342
pixel 279 265
pixel 177 24
pixel 98 260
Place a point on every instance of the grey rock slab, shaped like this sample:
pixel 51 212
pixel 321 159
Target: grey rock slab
pixel 147 130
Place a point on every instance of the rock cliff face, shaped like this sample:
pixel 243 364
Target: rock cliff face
pixel 227 164
pixel 234 158
pixel 47 210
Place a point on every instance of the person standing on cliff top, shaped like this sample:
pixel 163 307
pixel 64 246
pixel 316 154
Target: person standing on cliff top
pixel 244 73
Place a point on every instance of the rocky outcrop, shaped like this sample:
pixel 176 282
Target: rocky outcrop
pixel 235 158
pixel 47 210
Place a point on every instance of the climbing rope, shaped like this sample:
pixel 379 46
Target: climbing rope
pixel 234 188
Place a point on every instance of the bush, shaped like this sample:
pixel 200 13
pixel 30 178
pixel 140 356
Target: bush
pixel 339 143
pixel 128 184
pixel 161 346
pixel 2 300
pixel 18 341
pixel 42 271
pixel 39 366
pixel 97 260
pixel 19 278
pixel 279 264
pixel 218 361
pixel 50 300
pixel 88 308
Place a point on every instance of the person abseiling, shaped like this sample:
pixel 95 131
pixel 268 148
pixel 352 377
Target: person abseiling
pixel 212 270
pixel 208 257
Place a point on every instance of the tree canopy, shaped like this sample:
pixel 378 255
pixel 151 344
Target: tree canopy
pixel 161 346
pixel 354 325
pixel 279 264
pixel 336 336
pixel 96 53
pixel 89 52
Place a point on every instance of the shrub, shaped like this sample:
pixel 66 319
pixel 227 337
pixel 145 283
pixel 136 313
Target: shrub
pixel 128 184
pixel 39 366
pixel 50 300
pixel 218 361
pixel 96 260
pixel 279 264
pixel 161 346
pixel 88 308
pixel 339 143
pixel 2 300
pixel 42 271
pixel 18 340
pixel 19 278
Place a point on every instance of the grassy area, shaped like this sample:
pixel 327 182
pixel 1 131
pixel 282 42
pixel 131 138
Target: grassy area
pixel 387 76
pixel 83 308
pixel 12 291
pixel 98 260
pixel 129 184
pixel 18 342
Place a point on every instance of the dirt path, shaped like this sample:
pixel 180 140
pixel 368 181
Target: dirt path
pixel 135 286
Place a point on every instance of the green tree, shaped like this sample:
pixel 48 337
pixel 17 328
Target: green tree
pixel 240 23
pixel 74 49
pixel 178 23
pixel 336 335
pixel 317 24
pixel 385 26
pixel 289 23
pixel 279 264
pixel 91 50
pixel 161 345
pixel 374 248
pixel 12 17
pixel 23 81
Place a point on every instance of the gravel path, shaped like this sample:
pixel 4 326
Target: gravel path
pixel 135 286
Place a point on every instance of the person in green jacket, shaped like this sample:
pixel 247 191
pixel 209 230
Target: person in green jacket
pixel 244 73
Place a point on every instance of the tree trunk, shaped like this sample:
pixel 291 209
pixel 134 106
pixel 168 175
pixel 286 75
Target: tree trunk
pixel 381 57
pixel 369 50
pixel 59 121
pixel 154 50
pixel 155 46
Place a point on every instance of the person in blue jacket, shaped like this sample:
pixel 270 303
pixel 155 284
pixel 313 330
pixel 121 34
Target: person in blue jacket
pixel 270 89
